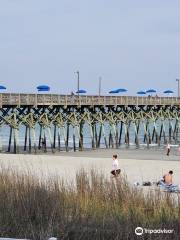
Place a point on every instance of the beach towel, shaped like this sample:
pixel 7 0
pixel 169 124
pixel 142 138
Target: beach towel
pixel 168 187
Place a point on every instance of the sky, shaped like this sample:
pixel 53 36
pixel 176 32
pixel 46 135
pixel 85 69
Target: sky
pixel 129 44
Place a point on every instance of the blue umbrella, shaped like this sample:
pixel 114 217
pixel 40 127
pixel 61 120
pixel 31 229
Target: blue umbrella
pixel 141 92
pixel 151 91
pixel 121 90
pixel 2 87
pixel 81 91
pixel 168 91
pixel 114 91
pixel 43 88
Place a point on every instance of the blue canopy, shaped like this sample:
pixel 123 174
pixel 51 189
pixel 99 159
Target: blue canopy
pixel 168 91
pixel 81 91
pixel 151 91
pixel 2 87
pixel 43 88
pixel 141 92
pixel 121 90
pixel 114 91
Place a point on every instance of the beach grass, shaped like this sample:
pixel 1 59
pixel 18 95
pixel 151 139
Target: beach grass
pixel 91 207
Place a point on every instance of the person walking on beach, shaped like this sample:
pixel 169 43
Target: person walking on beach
pixel 115 166
pixel 168 149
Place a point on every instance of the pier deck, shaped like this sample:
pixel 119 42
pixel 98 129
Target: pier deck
pixel 22 99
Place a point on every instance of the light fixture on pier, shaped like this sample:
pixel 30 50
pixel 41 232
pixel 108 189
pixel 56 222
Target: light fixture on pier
pixel 177 80
pixel 77 82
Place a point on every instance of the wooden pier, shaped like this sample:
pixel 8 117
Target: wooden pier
pixel 48 120
pixel 22 99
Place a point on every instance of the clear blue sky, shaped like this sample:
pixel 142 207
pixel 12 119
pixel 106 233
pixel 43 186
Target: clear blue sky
pixel 131 44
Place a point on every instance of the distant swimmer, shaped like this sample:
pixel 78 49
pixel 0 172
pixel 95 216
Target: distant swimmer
pixel 115 166
pixel 168 147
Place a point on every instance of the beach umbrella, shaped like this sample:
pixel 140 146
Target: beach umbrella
pixel 42 88
pixel 141 93
pixel 114 91
pixel 151 91
pixel 168 91
pixel 81 91
pixel 120 90
pixel 2 87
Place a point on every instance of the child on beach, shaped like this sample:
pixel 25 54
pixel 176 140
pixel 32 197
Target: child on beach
pixel 115 166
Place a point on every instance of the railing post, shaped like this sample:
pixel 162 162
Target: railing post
pixel 1 102
pixel 36 103
pixel 104 101
pixel 58 99
pixel 19 100
pixel 43 99
pixel 51 100
pixel 66 100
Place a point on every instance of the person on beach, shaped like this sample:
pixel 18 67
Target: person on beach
pixel 115 166
pixel 178 150
pixel 167 178
pixel 167 183
pixel 168 149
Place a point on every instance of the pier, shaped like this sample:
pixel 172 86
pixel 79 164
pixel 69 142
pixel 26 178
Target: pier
pixel 49 119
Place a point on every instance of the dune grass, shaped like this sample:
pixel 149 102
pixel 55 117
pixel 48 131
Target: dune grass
pixel 92 207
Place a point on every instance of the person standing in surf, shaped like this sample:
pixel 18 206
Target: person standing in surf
pixel 168 149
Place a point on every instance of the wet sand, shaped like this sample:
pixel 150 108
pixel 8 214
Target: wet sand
pixel 137 165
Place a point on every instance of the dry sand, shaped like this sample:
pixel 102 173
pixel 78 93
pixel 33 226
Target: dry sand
pixel 137 165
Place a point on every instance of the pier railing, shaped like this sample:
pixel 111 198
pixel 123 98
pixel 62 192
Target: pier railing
pixel 22 99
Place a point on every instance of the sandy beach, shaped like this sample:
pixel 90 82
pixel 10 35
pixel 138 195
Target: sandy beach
pixel 137 165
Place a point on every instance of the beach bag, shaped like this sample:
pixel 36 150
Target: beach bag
pixel 146 184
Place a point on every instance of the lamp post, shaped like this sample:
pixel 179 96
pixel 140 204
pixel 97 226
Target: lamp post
pixel 77 82
pixel 177 80
pixel 99 86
